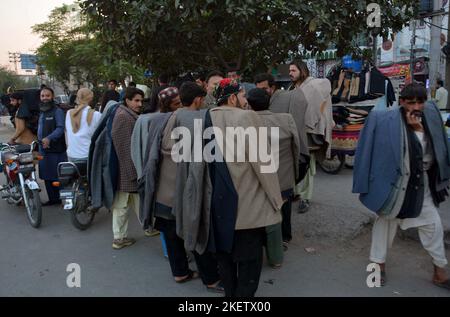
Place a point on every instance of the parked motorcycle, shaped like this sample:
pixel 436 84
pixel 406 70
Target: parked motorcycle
pixel 74 192
pixel 18 163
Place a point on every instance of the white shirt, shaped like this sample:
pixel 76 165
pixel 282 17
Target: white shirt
pixel 441 98
pixel 78 143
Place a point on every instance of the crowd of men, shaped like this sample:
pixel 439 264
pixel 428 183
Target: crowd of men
pixel 226 211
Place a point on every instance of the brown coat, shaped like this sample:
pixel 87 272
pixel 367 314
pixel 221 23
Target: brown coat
pixel 122 130
pixel 260 201
pixel 319 114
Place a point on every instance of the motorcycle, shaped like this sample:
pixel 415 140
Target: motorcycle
pixel 18 163
pixel 74 192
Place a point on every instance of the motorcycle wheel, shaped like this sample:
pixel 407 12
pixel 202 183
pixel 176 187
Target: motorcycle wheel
pixel 81 216
pixel 334 165
pixel 34 208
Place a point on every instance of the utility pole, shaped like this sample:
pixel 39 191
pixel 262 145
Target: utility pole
pixel 447 62
pixel 412 55
pixel 14 58
pixel 374 49
pixel 435 44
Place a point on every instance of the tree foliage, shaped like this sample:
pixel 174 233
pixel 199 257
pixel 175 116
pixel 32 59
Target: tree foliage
pixel 174 35
pixel 71 50
pixel 10 79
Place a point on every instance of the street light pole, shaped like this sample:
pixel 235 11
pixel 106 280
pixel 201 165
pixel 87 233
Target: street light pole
pixel 14 58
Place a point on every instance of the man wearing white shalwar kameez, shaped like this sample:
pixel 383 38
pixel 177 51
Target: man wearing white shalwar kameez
pixel 429 224
pixel 392 186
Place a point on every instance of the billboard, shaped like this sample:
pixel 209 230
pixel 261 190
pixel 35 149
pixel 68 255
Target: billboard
pixel 27 61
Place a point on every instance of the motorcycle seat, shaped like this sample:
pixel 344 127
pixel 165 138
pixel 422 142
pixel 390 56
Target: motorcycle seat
pixel 22 148
pixel 68 169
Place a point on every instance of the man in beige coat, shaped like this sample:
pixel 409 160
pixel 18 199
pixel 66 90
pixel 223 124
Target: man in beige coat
pixel 259 196
pixel 318 123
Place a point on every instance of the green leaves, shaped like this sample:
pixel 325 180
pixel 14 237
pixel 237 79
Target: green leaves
pixel 175 36
pixel 78 50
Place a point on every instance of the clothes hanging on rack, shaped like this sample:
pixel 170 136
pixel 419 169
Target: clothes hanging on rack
pixel 351 87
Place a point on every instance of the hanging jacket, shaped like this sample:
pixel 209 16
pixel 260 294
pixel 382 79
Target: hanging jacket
pixel 102 162
pixel 147 183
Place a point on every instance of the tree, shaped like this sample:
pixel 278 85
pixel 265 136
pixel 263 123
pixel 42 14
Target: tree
pixel 175 35
pixel 10 79
pixel 72 51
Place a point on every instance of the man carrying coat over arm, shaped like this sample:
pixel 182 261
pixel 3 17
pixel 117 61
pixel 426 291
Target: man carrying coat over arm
pixel 402 172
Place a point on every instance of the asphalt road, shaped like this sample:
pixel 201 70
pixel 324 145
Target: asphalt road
pixel 33 262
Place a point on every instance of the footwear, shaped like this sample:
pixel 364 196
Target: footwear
pixel 122 243
pixel 217 288
pixel 276 266
pixel 445 284
pixel 151 233
pixel 304 206
pixel 383 278
pixel 285 246
pixel 51 203
pixel 191 275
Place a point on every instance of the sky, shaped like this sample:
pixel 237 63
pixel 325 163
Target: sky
pixel 16 19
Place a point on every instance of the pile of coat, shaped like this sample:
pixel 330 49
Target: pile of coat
pixel 349 122
pixel 350 86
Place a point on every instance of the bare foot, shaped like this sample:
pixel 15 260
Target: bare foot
pixel 440 275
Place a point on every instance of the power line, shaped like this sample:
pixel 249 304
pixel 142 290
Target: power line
pixel 439 27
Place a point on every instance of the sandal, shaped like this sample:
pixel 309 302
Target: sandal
pixel 276 266
pixel 191 276
pixel 383 278
pixel 218 288
pixel 445 284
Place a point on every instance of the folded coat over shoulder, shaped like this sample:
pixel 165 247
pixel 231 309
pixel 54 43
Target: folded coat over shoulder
pixel 378 166
pixel 102 163
pixel 319 113
pixel 258 188
pixel 193 191
pixel 152 157
pixel 293 102
pixel 139 140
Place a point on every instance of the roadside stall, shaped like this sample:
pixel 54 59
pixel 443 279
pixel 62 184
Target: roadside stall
pixel 358 87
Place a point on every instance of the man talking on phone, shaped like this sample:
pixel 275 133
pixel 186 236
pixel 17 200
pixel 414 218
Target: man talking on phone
pixel 402 173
